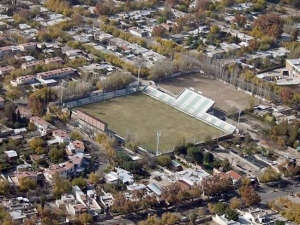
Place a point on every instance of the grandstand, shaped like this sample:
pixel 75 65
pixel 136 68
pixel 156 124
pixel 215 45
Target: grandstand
pixel 192 104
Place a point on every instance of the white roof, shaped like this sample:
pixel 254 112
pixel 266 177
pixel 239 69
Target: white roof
pixel 11 153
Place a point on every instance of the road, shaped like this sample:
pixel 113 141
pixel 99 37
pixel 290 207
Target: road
pixel 268 193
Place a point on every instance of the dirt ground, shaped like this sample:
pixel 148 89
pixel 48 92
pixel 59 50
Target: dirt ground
pixel 227 98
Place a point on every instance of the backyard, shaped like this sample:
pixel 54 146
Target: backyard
pixel 144 116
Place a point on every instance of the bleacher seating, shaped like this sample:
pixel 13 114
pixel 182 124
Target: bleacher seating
pixel 193 104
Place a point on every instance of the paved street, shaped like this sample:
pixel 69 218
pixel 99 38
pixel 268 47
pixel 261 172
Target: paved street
pixel 119 221
pixel 268 193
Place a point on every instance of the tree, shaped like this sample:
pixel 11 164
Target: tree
pixel 235 203
pixel 13 93
pixel 80 182
pixel 4 187
pixel 279 222
pixel 240 20
pixel 268 24
pixel 269 175
pixel 60 186
pixel 115 81
pixel 43 201
pixel 169 218
pixel 158 31
pixel 225 164
pixel 56 155
pixel 85 218
pixel 170 194
pixel 208 157
pixel 164 160
pixel 31 126
pixel 36 143
pixel 289 169
pixel 94 177
pixel 76 135
pixel 286 95
pixel 231 214
pixel 193 217
pixel 249 195
pixel 216 185
pixel 27 183
pixel 166 219
pixel 195 155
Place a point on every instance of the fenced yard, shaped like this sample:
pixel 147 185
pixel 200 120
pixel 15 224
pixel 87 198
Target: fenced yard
pixel 144 116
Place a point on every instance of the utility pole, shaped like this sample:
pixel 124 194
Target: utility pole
pixel 158 134
pixel 61 96
pixel 139 71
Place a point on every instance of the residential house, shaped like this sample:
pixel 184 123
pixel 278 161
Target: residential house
pixel 293 67
pixel 31 64
pixel 27 46
pixel 28 79
pixel 77 160
pixel 18 176
pixel 222 220
pixel 191 176
pixel 11 155
pixel 61 135
pixel 136 187
pixel 24 112
pixel 107 199
pixel 88 200
pixel 154 188
pixel 56 60
pixel 56 74
pixel 120 174
pixel 6 50
pixel 64 200
pixel 34 158
pixel 19 209
pixel 235 177
pixel 2 101
pixel 55 169
pixel 6 70
pixel 42 125
pixel 75 147
pixel 75 209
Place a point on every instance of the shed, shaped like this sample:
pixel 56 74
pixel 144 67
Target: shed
pixel 154 188
pixel 11 154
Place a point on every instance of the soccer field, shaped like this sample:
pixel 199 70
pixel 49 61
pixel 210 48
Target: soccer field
pixel 144 116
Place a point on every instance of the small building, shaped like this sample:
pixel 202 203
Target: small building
pixel 75 147
pixel 24 112
pixel 6 70
pixel 42 125
pixel 55 169
pixel 28 79
pixel 56 74
pixel 120 174
pixel 61 136
pixel 31 64
pixel 154 188
pixel 18 176
pixel 11 154
pixel 235 177
pixel 27 46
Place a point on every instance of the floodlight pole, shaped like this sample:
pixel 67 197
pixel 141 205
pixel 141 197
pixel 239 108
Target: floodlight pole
pixel 158 134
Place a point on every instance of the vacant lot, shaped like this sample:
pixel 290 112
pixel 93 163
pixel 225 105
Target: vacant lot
pixel 227 98
pixel 144 116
